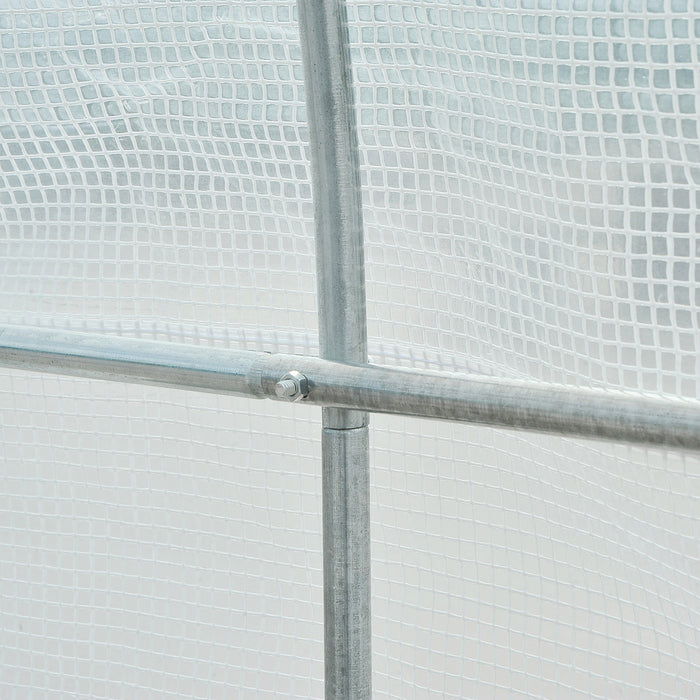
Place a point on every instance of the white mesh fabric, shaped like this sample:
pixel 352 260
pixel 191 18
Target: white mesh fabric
pixel 518 566
pixel 154 543
pixel 531 172
pixel 530 186
pixel 153 171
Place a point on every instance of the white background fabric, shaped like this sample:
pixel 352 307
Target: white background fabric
pixel 530 181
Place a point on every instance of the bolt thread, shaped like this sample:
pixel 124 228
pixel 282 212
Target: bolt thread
pixel 286 388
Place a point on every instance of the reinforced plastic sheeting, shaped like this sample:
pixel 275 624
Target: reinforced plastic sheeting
pixel 530 178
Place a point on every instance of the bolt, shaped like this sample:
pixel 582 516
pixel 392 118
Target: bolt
pixel 286 388
pixel 294 386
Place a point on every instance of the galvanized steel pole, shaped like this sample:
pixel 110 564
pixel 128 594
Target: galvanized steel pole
pixel 343 338
pixel 505 403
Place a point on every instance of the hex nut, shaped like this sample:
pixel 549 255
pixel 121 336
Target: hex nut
pixel 293 386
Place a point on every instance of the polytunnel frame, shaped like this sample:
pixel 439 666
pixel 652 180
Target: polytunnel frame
pixel 342 381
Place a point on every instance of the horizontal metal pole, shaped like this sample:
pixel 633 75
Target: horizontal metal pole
pixel 547 408
pixel 132 360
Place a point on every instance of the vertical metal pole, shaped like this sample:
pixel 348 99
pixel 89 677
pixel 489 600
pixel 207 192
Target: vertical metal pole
pixel 346 565
pixel 343 337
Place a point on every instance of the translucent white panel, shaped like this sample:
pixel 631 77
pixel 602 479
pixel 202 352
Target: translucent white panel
pixel 531 172
pixel 508 565
pixel 530 175
pixel 153 172
pixel 157 543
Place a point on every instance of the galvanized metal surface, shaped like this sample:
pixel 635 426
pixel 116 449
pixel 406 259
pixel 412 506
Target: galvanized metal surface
pixel 458 397
pixel 335 170
pixel 343 338
pixel 132 360
pixel 346 564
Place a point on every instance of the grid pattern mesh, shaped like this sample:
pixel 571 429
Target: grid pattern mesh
pixel 514 566
pixel 154 543
pixel 531 175
pixel 530 178
pixel 154 175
